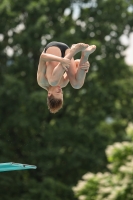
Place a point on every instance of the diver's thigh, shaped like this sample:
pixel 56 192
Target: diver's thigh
pixel 54 51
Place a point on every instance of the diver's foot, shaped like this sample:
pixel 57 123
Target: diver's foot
pixel 89 50
pixel 79 47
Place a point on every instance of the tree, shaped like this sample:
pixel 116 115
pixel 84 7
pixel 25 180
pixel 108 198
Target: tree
pixel 117 182
pixel 66 145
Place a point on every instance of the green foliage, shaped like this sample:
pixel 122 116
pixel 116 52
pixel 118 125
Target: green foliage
pixel 116 184
pixel 66 145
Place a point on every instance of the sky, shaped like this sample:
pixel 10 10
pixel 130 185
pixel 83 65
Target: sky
pixel 129 51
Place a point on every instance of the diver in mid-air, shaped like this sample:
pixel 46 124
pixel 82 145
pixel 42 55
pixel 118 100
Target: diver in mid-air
pixel 57 68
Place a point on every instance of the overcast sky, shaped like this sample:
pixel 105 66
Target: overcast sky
pixel 129 51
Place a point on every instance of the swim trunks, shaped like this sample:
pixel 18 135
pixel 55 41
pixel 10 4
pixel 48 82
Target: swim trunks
pixel 62 46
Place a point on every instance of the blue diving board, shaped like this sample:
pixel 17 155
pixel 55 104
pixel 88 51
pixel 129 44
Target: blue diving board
pixel 11 166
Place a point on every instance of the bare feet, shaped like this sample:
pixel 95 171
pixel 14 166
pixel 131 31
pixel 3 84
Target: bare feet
pixel 85 54
pixel 89 50
pixel 79 47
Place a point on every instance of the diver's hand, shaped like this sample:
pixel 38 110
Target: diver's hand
pixel 65 63
pixel 85 66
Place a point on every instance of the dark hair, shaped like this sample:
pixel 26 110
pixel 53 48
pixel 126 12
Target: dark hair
pixel 54 105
